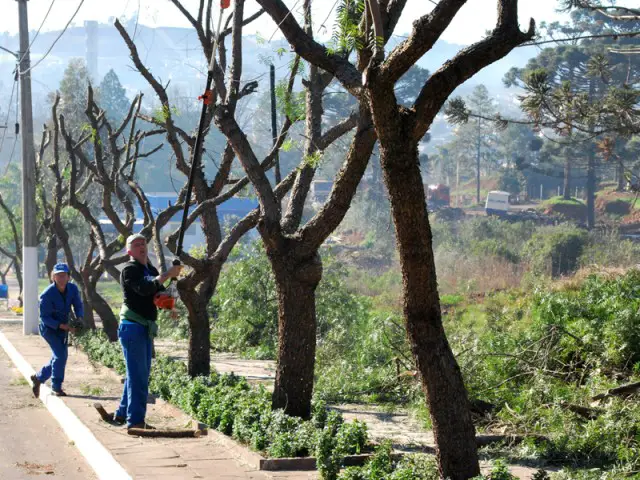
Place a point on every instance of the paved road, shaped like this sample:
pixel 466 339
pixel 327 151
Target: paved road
pixel 32 444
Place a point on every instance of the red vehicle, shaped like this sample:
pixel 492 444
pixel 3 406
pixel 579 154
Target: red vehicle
pixel 438 196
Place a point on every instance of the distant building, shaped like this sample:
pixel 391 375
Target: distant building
pixel 229 212
pixel 320 190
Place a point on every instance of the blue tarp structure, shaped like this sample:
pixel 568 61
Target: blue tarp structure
pixel 238 207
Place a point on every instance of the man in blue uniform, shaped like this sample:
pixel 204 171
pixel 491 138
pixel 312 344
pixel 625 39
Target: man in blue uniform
pixel 55 305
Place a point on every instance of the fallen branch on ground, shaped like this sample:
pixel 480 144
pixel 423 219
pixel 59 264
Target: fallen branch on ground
pixel 619 391
pixel 142 432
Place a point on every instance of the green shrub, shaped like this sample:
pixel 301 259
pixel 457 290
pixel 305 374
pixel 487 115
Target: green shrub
pixel 98 347
pixel 555 251
pixel 382 466
pixel 245 307
pixel 606 248
pixel 536 353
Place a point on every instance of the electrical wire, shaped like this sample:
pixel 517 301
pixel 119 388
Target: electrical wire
pixel 38 31
pixel 55 41
pixel 13 149
pixel 6 122
pixel 15 139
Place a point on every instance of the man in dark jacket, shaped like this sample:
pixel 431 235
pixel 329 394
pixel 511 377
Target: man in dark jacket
pixel 140 282
pixel 55 305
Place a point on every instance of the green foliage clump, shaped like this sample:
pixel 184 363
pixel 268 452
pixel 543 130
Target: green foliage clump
pixel 499 471
pixel 245 306
pixel 555 251
pixel 483 236
pixel 384 466
pixel 533 355
pixel 99 349
pixel 609 250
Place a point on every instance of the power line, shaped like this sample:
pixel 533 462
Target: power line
pixel 15 139
pixel 37 32
pixel 55 41
pixel 6 121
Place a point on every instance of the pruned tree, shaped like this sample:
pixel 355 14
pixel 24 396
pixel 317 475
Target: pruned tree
pixel 291 246
pixel 399 130
pixel 4 271
pixel 98 165
pixel 198 285
pixel 13 252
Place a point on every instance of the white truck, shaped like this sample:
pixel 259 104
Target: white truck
pixel 497 203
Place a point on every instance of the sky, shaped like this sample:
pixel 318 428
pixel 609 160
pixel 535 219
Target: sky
pixel 474 19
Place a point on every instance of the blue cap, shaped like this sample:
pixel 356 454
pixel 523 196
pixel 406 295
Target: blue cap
pixel 60 268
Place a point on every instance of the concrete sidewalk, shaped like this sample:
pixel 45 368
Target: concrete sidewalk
pixel 209 457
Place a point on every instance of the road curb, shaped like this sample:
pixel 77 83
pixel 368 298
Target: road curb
pixel 98 457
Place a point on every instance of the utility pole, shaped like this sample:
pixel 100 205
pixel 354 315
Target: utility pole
pixel 29 236
pixel 274 126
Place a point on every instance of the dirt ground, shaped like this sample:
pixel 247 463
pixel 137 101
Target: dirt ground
pixel 32 444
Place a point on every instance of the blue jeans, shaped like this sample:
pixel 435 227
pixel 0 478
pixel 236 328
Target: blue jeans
pixel 136 346
pixel 54 370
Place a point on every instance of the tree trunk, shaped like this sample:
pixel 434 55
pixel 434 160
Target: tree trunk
pixel 620 177
pixel 591 189
pixel 109 319
pixel 478 165
pixel 296 282
pixel 196 302
pixel 52 254
pixel 82 280
pixel 17 267
pixel 457 181
pixel 88 310
pixel 567 177
pixel 442 381
pixel 591 167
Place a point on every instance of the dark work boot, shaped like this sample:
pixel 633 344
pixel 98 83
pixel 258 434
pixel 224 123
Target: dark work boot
pixel 35 386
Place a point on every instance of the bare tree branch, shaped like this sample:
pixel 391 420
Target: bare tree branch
pixel 426 31
pixel 311 50
pixel 332 213
pixel 467 63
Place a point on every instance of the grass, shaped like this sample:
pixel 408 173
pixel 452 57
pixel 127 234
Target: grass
pixel 611 194
pixel 91 390
pixel 561 201
pixel 21 381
